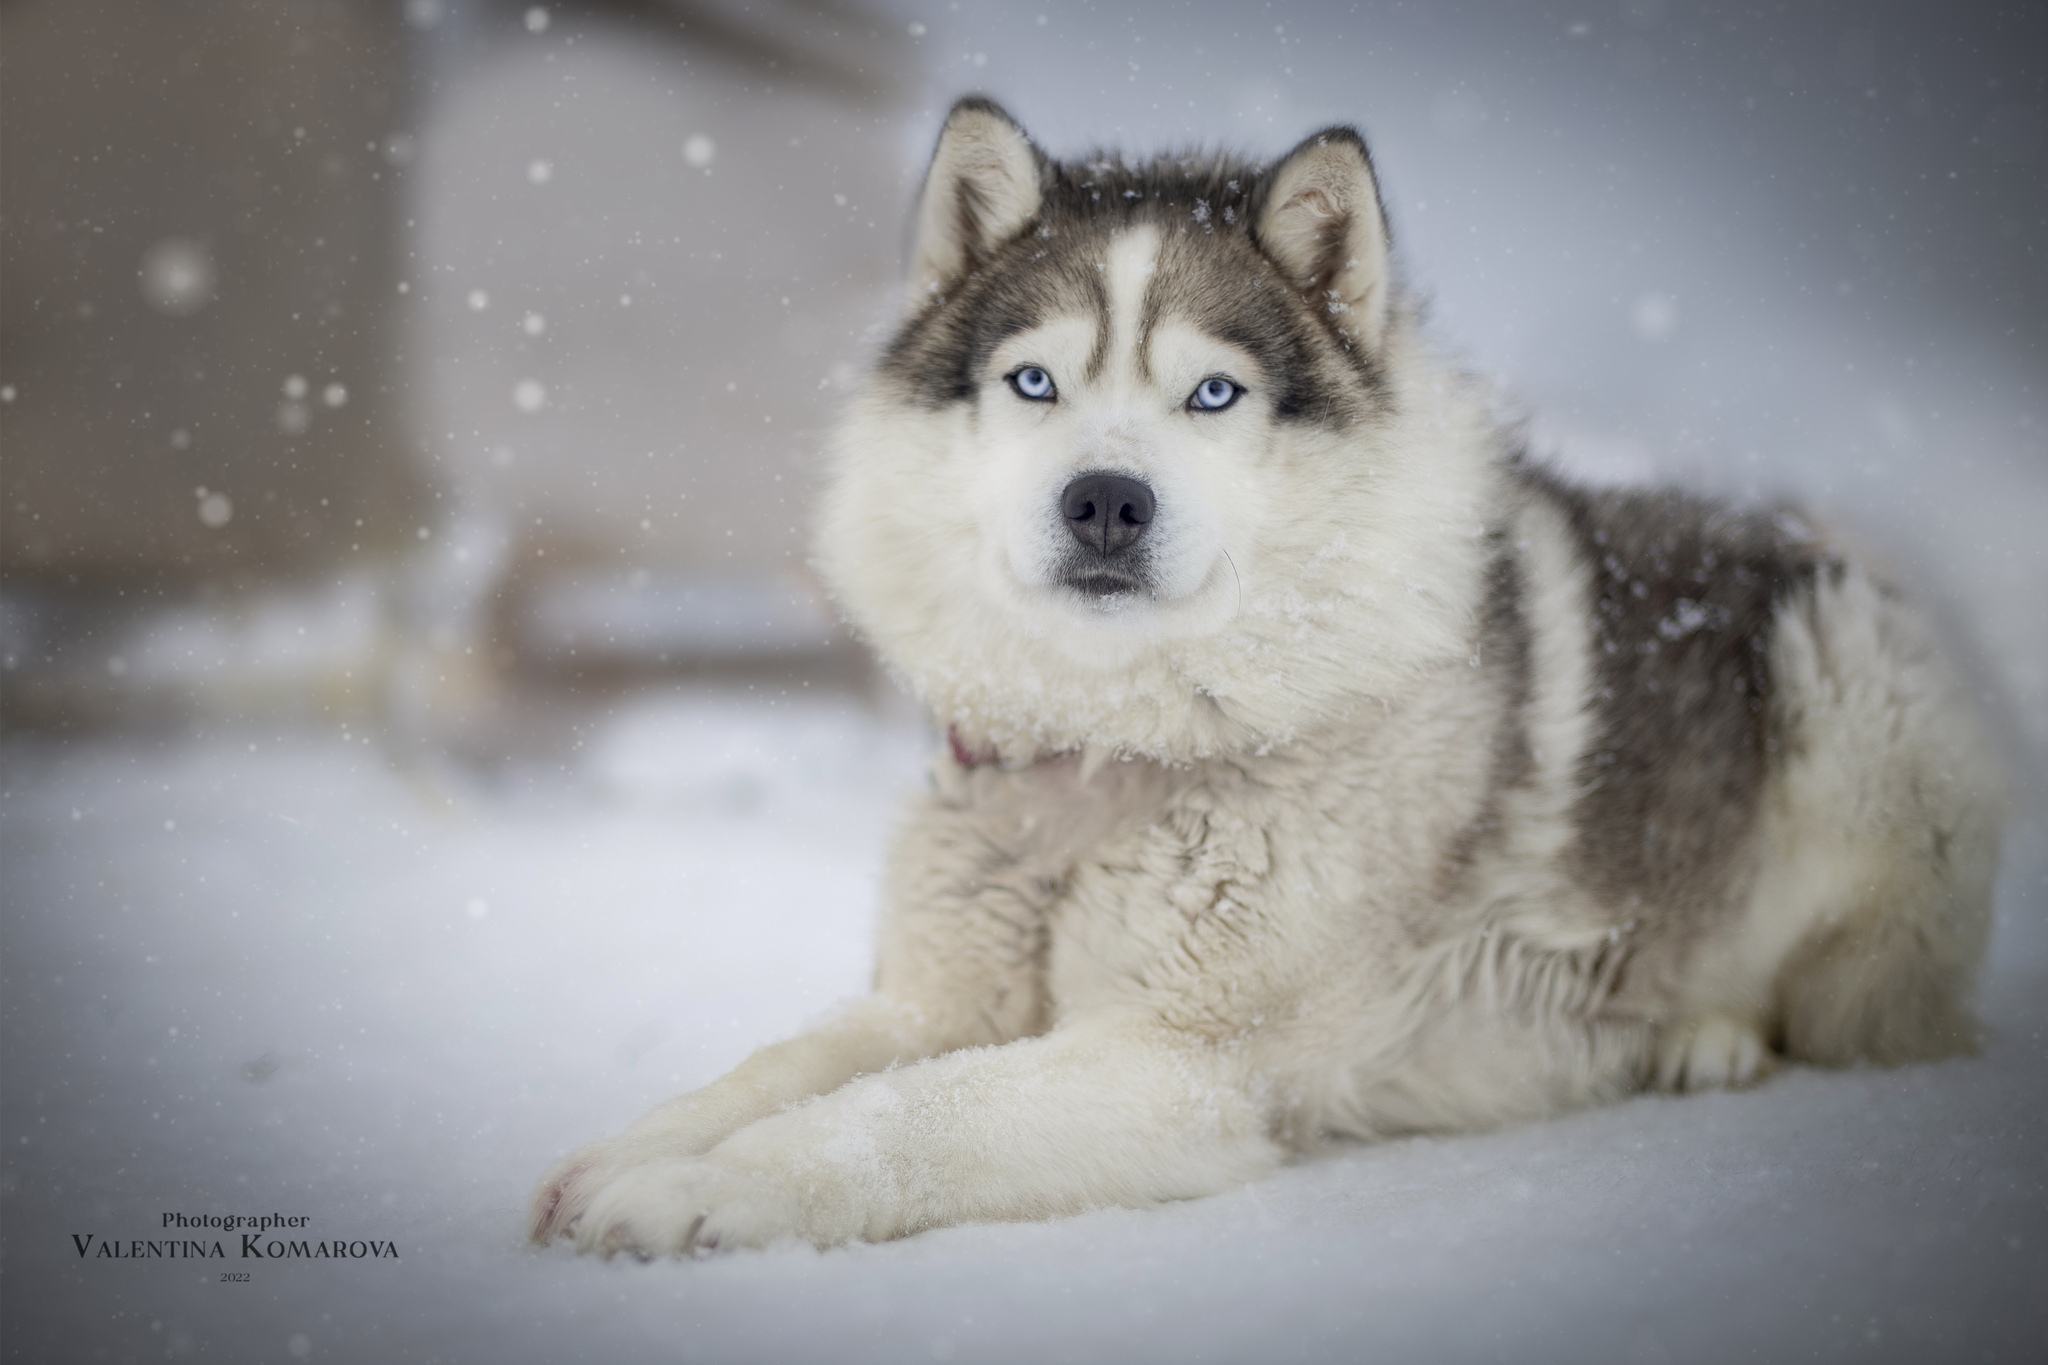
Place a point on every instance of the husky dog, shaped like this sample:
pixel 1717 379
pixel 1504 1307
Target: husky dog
pixel 1316 765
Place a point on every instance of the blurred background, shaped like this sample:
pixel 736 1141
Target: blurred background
pixel 375 355
pixel 425 744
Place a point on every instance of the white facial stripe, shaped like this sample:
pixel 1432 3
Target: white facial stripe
pixel 1133 256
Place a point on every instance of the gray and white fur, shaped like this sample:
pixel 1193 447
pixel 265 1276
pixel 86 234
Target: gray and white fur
pixel 1318 766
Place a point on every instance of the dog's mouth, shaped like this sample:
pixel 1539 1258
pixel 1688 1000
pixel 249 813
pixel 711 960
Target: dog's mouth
pixel 1103 587
pixel 1122 578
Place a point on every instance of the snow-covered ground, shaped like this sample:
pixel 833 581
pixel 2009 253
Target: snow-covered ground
pixel 271 972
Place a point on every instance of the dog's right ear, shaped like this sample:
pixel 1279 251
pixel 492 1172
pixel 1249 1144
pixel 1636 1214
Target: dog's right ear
pixel 982 188
pixel 1318 216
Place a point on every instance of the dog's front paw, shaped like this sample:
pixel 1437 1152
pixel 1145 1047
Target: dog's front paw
pixel 569 1186
pixel 1711 1052
pixel 691 1208
pixel 686 1126
pixel 566 1192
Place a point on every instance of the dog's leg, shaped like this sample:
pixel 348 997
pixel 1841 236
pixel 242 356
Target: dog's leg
pixel 959 966
pixel 875 1034
pixel 1096 1113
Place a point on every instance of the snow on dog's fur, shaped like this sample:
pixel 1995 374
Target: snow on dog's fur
pixel 1316 766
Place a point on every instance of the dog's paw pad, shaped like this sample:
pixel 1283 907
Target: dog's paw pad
pixel 1714 1052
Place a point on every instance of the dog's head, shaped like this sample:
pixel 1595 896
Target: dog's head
pixel 1152 462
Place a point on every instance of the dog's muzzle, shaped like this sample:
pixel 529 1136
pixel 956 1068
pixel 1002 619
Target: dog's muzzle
pixel 1107 515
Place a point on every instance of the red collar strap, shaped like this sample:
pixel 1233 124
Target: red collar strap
pixel 991 757
pixel 965 757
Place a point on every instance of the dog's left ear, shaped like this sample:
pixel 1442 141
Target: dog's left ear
pixel 982 188
pixel 1319 219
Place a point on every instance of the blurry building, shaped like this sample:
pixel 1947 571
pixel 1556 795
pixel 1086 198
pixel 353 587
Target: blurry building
pixel 196 268
pixel 650 241
pixel 346 347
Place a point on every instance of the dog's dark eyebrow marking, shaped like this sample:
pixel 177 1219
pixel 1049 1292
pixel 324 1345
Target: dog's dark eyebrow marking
pixel 943 349
pixel 1001 315
pixel 1149 311
pixel 1098 299
pixel 1005 314
pixel 1264 321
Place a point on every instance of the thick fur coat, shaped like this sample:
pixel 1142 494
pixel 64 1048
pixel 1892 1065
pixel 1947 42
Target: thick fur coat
pixel 1316 765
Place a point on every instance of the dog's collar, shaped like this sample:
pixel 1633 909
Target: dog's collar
pixel 989 756
pixel 1091 758
pixel 966 757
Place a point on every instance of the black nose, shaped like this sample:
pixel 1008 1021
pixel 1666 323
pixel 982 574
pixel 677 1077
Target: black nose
pixel 1107 512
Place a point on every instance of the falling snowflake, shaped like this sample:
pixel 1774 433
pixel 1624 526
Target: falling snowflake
pixel 177 276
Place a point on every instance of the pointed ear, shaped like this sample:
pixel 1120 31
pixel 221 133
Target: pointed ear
pixel 982 188
pixel 1320 221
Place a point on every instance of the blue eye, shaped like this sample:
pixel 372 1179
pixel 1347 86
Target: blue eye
pixel 1213 395
pixel 1032 383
